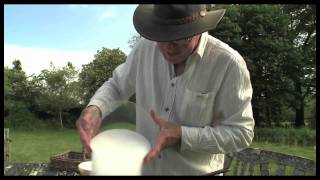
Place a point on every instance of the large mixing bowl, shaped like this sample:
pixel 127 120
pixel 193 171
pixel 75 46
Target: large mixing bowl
pixel 118 152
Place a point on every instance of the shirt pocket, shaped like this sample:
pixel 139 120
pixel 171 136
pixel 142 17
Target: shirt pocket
pixel 197 108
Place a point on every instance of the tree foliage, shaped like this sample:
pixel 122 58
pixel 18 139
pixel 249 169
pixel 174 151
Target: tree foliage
pixel 94 74
pixel 133 40
pixel 300 70
pixel 59 90
pixel 17 104
pixel 279 68
pixel 278 43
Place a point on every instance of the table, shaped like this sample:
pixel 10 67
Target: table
pixel 43 169
pixel 34 169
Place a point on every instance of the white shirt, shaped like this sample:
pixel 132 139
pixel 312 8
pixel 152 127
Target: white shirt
pixel 211 100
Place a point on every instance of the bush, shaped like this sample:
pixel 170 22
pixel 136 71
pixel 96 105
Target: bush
pixel 69 120
pixel 19 116
pixel 288 136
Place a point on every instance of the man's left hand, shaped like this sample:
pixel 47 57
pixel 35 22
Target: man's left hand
pixel 169 134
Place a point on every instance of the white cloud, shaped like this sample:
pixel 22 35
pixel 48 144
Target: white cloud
pixel 34 60
pixel 106 14
pixel 78 5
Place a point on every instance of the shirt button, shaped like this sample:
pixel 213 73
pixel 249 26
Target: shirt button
pixel 172 84
pixel 166 109
pixel 159 156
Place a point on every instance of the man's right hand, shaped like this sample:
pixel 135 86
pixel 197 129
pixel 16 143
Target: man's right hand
pixel 88 125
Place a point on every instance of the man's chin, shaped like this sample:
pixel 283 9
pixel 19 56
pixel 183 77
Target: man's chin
pixel 172 61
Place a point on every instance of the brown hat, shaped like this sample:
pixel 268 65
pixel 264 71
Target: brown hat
pixel 171 22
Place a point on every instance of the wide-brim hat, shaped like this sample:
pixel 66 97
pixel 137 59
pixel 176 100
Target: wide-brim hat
pixel 174 21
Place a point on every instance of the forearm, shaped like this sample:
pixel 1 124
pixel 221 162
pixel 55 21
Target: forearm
pixel 106 98
pixel 120 87
pixel 216 140
pixel 117 89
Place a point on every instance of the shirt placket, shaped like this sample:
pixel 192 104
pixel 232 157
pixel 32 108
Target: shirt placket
pixel 168 104
pixel 169 100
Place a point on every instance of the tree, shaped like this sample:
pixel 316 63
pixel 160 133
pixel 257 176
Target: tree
pixel 59 90
pixel 133 40
pixel 6 90
pixel 94 74
pixel 17 80
pixel 17 102
pixel 263 35
pixel 258 32
pixel 301 68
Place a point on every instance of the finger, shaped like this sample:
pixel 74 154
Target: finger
pixel 85 138
pixel 86 132
pixel 96 127
pixel 151 155
pixel 156 118
pixel 160 143
pixel 155 150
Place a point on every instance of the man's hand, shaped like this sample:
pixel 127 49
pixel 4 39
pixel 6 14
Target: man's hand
pixel 88 125
pixel 170 134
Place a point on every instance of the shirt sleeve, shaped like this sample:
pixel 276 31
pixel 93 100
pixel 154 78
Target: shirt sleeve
pixel 118 88
pixel 233 112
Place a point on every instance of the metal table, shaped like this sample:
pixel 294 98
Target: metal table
pixel 43 169
pixel 34 169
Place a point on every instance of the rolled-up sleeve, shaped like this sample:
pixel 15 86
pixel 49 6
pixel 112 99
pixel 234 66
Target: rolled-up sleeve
pixel 234 123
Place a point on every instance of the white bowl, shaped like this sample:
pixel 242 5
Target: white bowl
pixel 118 152
pixel 85 168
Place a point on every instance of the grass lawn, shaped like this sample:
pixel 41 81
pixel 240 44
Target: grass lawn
pixel 302 151
pixel 39 145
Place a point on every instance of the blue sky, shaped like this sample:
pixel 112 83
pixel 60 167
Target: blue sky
pixel 38 34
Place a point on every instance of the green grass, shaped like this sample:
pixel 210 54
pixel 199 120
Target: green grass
pixel 39 145
pixel 302 151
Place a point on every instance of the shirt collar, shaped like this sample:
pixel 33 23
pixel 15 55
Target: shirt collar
pixel 202 44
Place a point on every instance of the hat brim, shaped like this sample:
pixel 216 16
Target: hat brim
pixel 149 29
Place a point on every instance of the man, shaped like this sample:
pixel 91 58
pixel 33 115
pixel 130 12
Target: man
pixel 196 88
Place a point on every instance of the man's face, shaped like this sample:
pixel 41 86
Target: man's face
pixel 176 52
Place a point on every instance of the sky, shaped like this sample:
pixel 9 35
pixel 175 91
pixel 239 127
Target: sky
pixel 37 34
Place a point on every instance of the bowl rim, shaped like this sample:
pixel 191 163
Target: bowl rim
pixel 81 168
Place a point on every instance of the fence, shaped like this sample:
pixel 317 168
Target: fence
pixel 253 161
pixel 7 145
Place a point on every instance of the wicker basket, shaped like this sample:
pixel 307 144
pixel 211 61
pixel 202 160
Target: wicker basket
pixel 68 161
